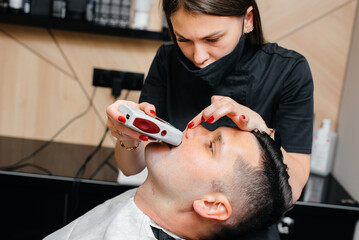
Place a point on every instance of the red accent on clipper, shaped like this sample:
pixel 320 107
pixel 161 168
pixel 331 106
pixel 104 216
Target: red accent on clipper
pixel 146 125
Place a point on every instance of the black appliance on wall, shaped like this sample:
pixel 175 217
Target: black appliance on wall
pixel 41 8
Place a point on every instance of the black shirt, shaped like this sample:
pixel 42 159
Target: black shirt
pixel 272 81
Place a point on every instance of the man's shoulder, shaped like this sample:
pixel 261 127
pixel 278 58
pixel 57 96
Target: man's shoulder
pixel 100 220
pixel 125 195
pixel 112 206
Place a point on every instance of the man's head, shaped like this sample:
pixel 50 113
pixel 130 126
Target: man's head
pixel 227 178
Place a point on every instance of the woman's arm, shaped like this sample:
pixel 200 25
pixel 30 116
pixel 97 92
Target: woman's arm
pixel 130 162
pixel 294 121
pixel 129 149
pixel 298 170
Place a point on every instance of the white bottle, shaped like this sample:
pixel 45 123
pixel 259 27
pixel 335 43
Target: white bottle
pixel 15 5
pixel 141 15
pixel 27 6
pixel 324 140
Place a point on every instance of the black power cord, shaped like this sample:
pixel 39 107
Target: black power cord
pixel 82 169
pixel 103 164
pixel 75 190
pixel 34 166
pixel 107 159
pixel 17 165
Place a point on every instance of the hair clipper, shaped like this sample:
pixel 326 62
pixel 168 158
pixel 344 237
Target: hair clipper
pixel 150 126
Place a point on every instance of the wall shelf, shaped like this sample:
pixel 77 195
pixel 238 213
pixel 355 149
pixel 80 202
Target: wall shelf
pixel 81 26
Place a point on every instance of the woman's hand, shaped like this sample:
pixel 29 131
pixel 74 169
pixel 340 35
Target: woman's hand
pixel 115 119
pixel 245 118
pixel 129 153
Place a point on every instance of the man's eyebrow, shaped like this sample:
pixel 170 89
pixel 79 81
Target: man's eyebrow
pixel 221 142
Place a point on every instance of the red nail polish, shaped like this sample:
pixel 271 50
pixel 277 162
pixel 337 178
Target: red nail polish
pixel 190 125
pixel 143 137
pixel 210 120
pixel 202 119
pixel 243 117
pixel 153 113
pixel 122 119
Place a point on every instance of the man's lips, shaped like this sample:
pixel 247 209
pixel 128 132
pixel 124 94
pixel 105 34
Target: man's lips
pixel 169 145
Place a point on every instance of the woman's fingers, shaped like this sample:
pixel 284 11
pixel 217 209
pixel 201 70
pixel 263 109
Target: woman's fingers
pixel 220 107
pixel 245 118
pixel 125 133
pixel 195 121
pixel 116 120
pixel 243 121
pixel 112 111
pixel 211 114
pixel 121 132
pixel 148 108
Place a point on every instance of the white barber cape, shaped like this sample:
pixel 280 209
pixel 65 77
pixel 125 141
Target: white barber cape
pixel 116 219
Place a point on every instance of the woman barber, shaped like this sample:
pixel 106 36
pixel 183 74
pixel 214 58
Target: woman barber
pixel 219 65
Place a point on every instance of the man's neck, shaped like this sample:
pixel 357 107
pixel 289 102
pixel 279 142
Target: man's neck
pixel 176 217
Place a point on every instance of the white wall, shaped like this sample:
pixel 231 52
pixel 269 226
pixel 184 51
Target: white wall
pixel 346 168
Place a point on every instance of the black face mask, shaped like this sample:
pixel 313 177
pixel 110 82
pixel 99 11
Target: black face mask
pixel 214 72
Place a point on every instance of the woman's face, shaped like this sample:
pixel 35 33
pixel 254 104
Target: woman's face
pixel 203 38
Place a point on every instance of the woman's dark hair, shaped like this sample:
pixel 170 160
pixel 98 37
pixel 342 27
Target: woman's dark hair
pixel 217 8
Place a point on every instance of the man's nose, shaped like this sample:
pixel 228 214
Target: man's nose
pixel 200 55
pixel 195 132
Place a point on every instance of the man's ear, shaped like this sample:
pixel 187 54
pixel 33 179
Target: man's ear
pixel 214 206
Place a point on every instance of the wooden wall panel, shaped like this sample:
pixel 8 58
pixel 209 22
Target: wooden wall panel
pixel 283 17
pixel 325 43
pixel 40 42
pixel 87 51
pixel 156 17
pixel 46 76
pixel 48 61
pixel 37 99
pixel 346 164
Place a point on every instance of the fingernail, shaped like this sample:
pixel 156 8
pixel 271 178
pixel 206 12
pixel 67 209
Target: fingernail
pixel 243 117
pixel 210 120
pixel 190 125
pixel 143 137
pixel 122 119
pixel 202 119
pixel 153 113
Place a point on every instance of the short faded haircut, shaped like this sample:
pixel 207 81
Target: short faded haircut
pixel 260 195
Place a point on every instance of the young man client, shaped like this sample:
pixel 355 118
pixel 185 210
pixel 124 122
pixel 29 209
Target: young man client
pixel 215 185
